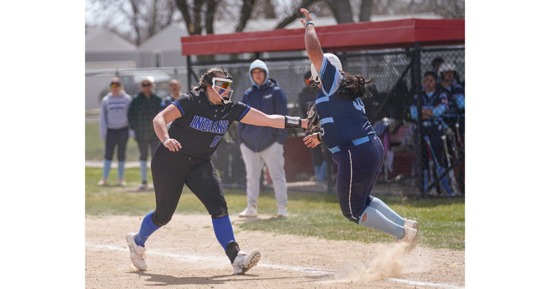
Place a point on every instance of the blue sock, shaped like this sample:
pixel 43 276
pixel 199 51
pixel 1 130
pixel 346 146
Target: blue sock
pixel 373 218
pixel 147 229
pixel 143 167
pixel 379 205
pixel 106 168
pixel 121 170
pixel 223 231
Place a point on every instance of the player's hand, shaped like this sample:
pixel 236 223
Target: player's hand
pixel 306 15
pixel 172 144
pixel 311 140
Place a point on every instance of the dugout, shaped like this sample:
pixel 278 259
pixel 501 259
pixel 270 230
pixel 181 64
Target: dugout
pixel 395 53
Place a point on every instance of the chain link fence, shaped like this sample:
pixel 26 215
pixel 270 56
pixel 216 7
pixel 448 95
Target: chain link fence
pixel 396 74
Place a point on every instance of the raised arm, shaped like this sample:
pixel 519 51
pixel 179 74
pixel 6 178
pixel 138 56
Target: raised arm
pixel 313 46
pixel 256 117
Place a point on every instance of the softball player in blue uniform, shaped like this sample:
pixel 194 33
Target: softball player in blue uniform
pixel 346 130
pixel 199 119
pixel 435 103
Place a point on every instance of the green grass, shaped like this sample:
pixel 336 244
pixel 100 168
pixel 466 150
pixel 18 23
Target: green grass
pixel 442 221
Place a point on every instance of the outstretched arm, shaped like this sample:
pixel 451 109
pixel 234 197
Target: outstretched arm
pixel 256 117
pixel 313 46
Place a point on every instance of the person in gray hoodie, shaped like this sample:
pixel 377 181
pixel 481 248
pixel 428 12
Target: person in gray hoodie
pixel 263 145
pixel 113 129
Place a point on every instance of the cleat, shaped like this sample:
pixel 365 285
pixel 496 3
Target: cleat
pixel 137 253
pixel 409 238
pixel 249 212
pixel 102 183
pixel 411 223
pixel 283 213
pixel 244 262
pixel 142 187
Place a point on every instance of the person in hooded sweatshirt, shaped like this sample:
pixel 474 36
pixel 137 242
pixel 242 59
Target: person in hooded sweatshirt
pixel 263 145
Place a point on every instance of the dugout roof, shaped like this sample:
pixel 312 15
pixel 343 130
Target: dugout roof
pixel 350 36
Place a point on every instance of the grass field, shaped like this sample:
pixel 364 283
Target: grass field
pixel 442 221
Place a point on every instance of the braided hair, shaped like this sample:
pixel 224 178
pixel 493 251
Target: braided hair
pixel 353 86
pixel 206 78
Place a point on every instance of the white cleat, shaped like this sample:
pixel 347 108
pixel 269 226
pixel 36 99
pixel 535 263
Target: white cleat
pixel 244 262
pixel 283 213
pixel 411 223
pixel 249 212
pixel 409 238
pixel 137 253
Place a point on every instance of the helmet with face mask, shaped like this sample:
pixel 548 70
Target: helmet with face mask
pixel 222 85
pixel 332 59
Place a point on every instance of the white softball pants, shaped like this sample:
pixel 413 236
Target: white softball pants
pixel 254 162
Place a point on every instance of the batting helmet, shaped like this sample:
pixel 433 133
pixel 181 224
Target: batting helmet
pixel 447 67
pixel 332 59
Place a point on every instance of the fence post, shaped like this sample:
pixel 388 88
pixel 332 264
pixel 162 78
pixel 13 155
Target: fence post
pixel 416 76
pixel 189 72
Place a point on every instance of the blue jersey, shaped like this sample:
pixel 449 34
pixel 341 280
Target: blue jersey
pixel 436 101
pixel 202 125
pixel 342 119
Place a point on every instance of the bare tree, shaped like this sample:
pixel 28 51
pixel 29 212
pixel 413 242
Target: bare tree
pixel 246 11
pixel 295 13
pixel 365 11
pixel 135 20
pixel 341 10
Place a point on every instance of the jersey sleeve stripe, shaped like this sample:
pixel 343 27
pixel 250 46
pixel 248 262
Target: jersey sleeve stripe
pixel 321 99
pixel 244 113
pixel 178 105
pixel 326 120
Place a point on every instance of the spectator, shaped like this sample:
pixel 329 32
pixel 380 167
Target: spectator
pixel 174 87
pixel 434 101
pixel 454 116
pixel 436 63
pixel 144 107
pixel 113 128
pixel 306 98
pixel 263 145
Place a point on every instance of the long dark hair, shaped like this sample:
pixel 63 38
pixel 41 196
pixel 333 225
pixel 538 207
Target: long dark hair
pixel 353 86
pixel 206 78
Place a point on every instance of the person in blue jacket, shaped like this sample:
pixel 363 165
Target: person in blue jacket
pixel 263 145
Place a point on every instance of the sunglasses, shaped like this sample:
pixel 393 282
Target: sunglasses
pixel 115 84
pixel 222 82
pixel 145 84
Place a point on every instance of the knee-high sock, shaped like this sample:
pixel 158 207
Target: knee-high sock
pixel 106 168
pixel 223 231
pixel 378 204
pixel 121 170
pixel 373 218
pixel 143 170
pixel 148 227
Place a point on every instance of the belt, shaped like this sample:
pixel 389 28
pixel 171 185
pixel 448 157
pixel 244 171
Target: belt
pixel 353 143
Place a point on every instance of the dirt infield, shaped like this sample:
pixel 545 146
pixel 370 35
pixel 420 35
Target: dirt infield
pixel 185 254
